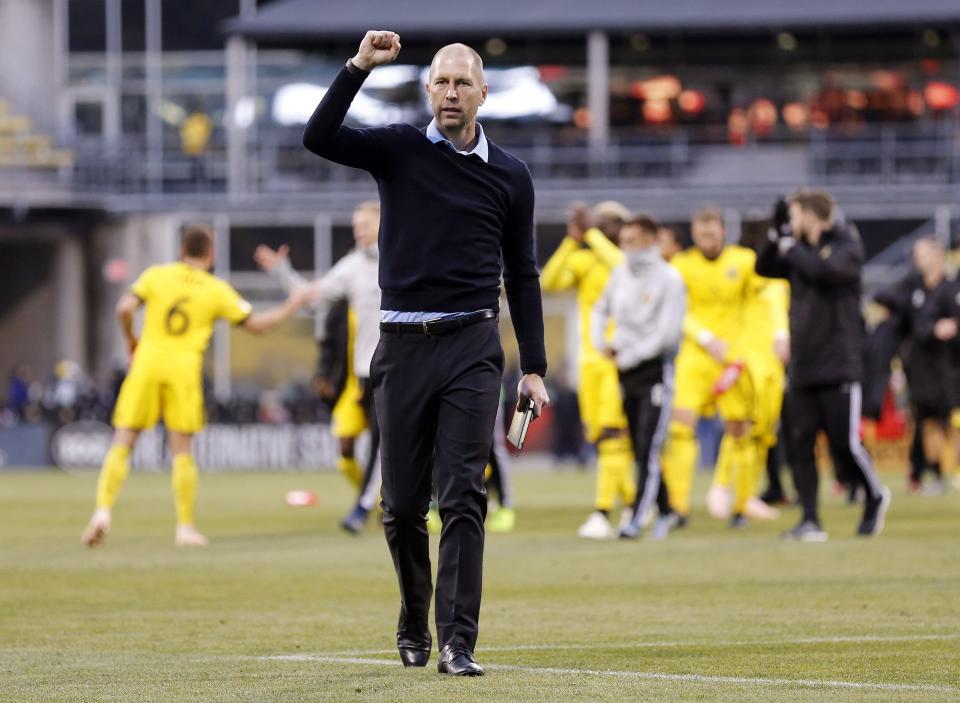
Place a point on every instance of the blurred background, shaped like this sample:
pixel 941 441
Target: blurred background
pixel 120 120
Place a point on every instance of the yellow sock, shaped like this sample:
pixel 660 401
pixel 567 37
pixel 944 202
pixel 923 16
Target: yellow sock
pixel 679 465
pixel 743 470
pixel 184 487
pixel 348 466
pixel 115 469
pixel 722 473
pixel 615 457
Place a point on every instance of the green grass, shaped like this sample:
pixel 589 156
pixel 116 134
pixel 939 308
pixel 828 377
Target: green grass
pixel 140 620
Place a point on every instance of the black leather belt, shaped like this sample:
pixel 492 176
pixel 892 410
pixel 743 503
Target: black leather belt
pixel 440 326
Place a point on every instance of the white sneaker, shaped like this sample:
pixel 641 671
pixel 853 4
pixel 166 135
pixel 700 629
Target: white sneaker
pixel 756 509
pixel 596 527
pixel 626 517
pixel 187 536
pixel 97 528
pixel 718 502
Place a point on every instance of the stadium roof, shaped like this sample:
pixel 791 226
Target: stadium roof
pixel 306 20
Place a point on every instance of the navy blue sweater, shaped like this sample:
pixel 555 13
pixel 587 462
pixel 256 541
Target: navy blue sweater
pixel 449 224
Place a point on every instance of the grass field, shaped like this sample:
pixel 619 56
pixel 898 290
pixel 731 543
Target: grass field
pixel 282 606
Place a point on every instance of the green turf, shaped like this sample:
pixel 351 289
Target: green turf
pixel 141 620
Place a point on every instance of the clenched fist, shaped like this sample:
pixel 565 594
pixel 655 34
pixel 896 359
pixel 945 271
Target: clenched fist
pixel 376 49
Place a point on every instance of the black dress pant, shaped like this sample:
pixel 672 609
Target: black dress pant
pixel 646 402
pixel 436 398
pixel 835 409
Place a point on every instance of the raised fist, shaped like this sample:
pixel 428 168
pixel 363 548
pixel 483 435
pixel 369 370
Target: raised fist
pixel 376 49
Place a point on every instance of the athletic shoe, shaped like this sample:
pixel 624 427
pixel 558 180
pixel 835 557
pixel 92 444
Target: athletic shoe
pixel 739 522
pixel 874 514
pixel 355 521
pixel 97 528
pixel 806 531
pixel 934 489
pixel 503 520
pixel 434 523
pixel 663 525
pixel 682 520
pixel 596 527
pixel 629 531
pixel 757 509
pixel 718 502
pixel 187 536
pixel 772 497
pixel 626 518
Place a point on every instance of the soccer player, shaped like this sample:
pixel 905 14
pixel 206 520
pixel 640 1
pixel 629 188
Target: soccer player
pixel 354 279
pixel 822 257
pixel 645 298
pixel 711 367
pixel 669 242
pixel 182 302
pixel 339 387
pixel 583 261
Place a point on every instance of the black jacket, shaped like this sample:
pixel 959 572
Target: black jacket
pixel 943 358
pixel 826 324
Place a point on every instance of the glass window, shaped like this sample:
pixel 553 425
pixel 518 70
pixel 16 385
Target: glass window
pixel 87 27
pixel 244 239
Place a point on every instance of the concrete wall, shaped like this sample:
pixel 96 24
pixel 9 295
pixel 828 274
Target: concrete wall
pixel 27 76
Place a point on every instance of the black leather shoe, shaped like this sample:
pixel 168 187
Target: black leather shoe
pixel 414 651
pixel 457 660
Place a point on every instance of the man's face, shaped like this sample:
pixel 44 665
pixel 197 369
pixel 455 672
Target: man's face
pixel 635 238
pixel 610 226
pixel 456 90
pixel 928 257
pixel 804 224
pixel 709 236
pixel 366 227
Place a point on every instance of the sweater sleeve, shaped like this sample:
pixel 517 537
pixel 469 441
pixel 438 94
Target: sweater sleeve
pixel 325 135
pixel 522 280
pixel 839 265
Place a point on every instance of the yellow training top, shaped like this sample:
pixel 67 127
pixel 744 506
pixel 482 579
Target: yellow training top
pixel 767 315
pixel 587 269
pixel 717 293
pixel 182 303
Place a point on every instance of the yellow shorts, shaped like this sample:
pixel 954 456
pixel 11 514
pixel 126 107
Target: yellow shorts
pixel 696 374
pixel 153 390
pixel 601 405
pixel 768 380
pixel 348 417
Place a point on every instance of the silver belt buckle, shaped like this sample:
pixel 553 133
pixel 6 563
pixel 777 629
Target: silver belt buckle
pixel 426 327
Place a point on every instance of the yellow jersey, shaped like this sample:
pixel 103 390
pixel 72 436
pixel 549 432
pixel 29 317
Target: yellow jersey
pixel 717 293
pixel 182 303
pixel 587 269
pixel 767 317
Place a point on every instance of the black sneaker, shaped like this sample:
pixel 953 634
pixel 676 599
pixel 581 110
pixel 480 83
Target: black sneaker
pixel 806 531
pixel 874 514
pixel 738 521
pixel 355 521
pixel 772 497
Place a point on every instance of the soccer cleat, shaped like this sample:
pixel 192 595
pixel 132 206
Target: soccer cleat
pixel 597 526
pixel 806 531
pixel 629 531
pixel 759 510
pixel 739 522
pixel 97 528
pixel 626 517
pixel 663 525
pixel 874 514
pixel 355 521
pixel 434 523
pixel 187 536
pixel 503 520
pixel 718 502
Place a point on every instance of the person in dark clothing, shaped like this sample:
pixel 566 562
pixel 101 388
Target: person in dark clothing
pixel 822 258
pixel 457 214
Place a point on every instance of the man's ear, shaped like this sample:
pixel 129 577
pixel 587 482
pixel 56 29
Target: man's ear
pixel 483 96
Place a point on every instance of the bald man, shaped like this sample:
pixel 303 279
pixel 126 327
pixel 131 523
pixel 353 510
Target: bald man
pixel 456 215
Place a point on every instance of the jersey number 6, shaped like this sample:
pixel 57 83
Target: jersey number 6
pixel 177 319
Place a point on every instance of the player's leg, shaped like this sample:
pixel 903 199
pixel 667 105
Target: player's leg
pixel 503 519
pixel 137 408
pixel 348 423
pixel 113 473
pixel 184 479
pixel 805 422
pixel 614 444
pixel 933 423
pixel 768 405
pixel 694 384
pixel 597 525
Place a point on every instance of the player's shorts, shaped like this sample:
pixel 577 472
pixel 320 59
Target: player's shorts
pixel 348 417
pixel 768 378
pixel 154 390
pixel 601 405
pixel 696 374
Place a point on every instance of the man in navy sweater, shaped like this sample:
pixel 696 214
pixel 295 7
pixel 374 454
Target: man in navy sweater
pixel 456 213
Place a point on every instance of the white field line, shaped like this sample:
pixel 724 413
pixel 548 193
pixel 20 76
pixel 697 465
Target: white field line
pixel 673 643
pixel 644 675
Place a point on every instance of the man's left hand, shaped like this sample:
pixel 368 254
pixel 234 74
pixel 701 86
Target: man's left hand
pixel 531 387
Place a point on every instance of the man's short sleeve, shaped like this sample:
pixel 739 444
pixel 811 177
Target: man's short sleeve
pixel 233 307
pixel 141 287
